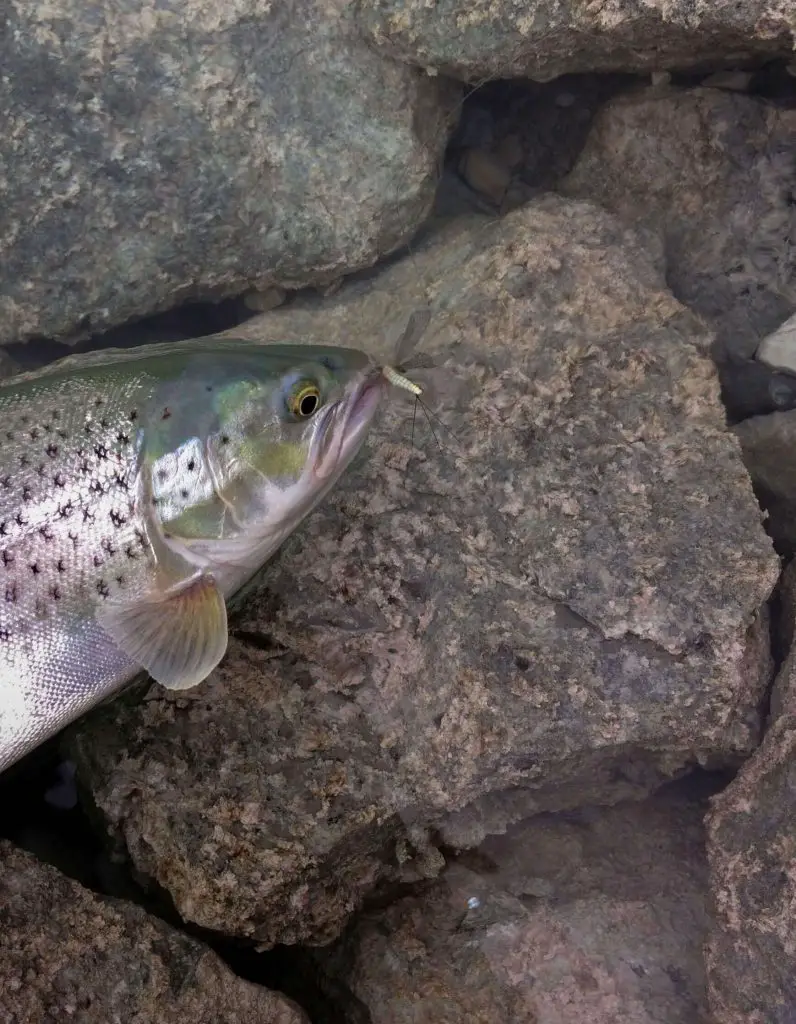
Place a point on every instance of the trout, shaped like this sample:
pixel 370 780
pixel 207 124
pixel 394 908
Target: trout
pixel 139 490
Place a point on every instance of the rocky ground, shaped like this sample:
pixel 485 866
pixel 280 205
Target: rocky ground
pixel 505 733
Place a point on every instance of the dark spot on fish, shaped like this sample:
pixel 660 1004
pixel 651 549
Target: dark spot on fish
pixel 45 532
pixel 107 545
pixel 121 481
pixel 183 493
pixel 122 438
pixel 166 414
pixel 120 580
pixel 20 520
pixel 98 402
pixel 130 552
pixel 27 494
pixel 208 387
pixel 24 419
pixel 155 502
pixel 52 450
pixel 104 423
pixel 34 434
pixel 60 566
pixel 65 511
pixel 141 537
pixel 8 558
pixel 88 427
pixel 103 589
pixel 74 538
pixel 24 461
pixel 9 435
pixel 133 416
pixel 55 414
pixel 5 635
pixel 59 480
pixel 100 451
pixel 118 518
pixel 4 529
pixel 96 487
pixel 161 475
pixel 98 561
pixel 63 435
pixel 224 439
pixel 5 481
pixel 85 467
pixel 55 593
pixel 88 515
pixel 35 569
pixel 41 470
pixel 11 593
pixel 192 465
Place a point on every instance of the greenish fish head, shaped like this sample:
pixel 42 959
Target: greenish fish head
pixel 253 441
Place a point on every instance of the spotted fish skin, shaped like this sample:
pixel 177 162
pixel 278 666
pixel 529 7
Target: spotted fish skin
pixel 137 486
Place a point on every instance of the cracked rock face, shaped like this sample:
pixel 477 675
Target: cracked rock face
pixel 159 153
pixel 541 40
pixel 67 954
pixel 713 173
pixel 597 916
pixel 559 608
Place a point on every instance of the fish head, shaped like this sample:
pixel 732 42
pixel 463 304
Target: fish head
pixel 266 435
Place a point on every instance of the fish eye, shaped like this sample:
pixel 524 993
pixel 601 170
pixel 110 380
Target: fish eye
pixel 304 399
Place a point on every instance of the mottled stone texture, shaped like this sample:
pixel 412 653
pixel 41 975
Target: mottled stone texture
pixel 751 955
pixel 151 153
pixel 541 40
pixel 714 174
pixel 69 955
pixel 558 608
pixel 768 444
pixel 596 917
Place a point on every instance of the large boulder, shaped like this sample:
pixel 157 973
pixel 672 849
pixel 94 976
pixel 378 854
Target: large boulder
pixel 67 954
pixel 152 154
pixel 559 607
pixel 540 40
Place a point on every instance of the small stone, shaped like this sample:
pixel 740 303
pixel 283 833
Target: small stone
pixel 778 349
pixel 485 173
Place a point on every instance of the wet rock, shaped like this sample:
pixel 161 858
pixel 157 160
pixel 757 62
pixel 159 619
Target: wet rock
pixel 769 451
pixel 67 954
pixel 751 959
pixel 163 153
pixel 542 41
pixel 597 916
pixel 559 607
pixel 713 173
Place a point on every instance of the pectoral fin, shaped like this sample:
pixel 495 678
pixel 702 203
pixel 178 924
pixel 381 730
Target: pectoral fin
pixel 178 637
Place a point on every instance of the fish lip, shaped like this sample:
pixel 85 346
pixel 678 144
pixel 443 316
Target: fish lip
pixel 360 403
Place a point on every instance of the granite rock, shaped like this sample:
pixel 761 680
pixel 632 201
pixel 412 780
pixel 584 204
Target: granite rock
pixel 157 153
pixel 539 40
pixel 67 954
pixel 713 173
pixel 559 607
pixel 769 451
pixel 595 916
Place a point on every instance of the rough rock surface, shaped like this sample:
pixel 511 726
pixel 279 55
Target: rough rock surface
pixel 540 40
pixel 560 608
pixel 769 444
pixel 69 955
pixel 751 954
pixel 713 173
pixel 597 916
pixel 156 153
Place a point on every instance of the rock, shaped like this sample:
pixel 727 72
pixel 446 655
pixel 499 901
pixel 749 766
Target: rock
pixel 68 954
pixel 170 152
pixel 713 173
pixel 751 958
pixel 778 349
pixel 560 607
pixel 542 41
pixel 598 916
pixel 769 451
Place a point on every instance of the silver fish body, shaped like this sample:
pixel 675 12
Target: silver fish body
pixel 138 491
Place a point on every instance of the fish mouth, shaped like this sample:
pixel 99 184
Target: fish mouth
pixel 345 424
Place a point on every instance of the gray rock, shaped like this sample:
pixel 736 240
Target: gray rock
pixel 597 917
pixel 713 173
pixel 778 349
pixel 161 153
pixel 67 954
pixel 769 451
pixel 751 959
pixel 558 608
pixel 540 40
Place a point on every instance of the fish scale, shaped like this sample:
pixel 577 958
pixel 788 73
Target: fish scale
pixel 138 491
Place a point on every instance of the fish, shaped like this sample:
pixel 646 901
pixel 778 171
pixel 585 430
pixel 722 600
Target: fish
pixel 139 490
